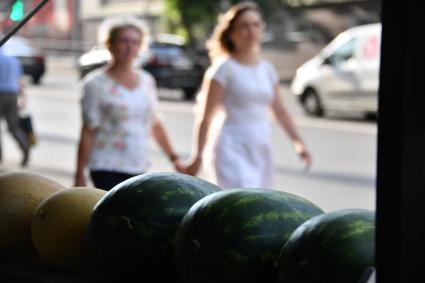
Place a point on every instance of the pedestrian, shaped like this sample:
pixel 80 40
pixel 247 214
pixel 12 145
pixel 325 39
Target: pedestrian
pixel 12 98
pixel 238 89
pixel 119 112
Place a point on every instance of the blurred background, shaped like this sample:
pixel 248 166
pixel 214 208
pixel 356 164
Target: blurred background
pixel 298 27
pixel 58 46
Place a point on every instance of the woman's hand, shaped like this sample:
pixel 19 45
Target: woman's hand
pixel 193 166
pixel 178 166
pixel 303 154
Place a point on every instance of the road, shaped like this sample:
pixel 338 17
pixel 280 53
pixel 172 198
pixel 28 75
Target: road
pixel 343 148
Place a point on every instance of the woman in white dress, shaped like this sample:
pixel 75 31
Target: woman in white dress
pixel 243 87
pixel 119 111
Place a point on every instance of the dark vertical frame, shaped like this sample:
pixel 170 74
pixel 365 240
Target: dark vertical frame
pixel 401 145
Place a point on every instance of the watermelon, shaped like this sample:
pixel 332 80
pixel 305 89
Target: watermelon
pixel 337 246
pixel 132 228
pixel 236 235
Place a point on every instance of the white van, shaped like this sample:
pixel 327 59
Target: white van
pixel 344 75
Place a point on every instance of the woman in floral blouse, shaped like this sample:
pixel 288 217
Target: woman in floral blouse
pixel 119 113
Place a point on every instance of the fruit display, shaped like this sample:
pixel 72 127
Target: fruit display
pixel 132 228
pixel 20 194
pixel 236 235
pixel 172 227
pixel 334 247
pixel 59 227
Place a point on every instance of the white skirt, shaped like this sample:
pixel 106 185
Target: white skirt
pixel 239 155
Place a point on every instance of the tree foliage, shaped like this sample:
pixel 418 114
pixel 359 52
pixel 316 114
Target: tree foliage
pixel 190 18
pixel 195 20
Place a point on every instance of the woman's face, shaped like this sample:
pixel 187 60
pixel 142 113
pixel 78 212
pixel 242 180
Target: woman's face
pixel 246 31
pixel 126 45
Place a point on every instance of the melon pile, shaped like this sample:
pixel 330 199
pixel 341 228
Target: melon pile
pixel 44 222
pixel 20 194
pixel 172 227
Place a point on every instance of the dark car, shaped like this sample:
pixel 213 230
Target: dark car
pixel 173 65
pixel 31 58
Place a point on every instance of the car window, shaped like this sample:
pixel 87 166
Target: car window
pixel 172 51
pixel 168 52
pixel 343 53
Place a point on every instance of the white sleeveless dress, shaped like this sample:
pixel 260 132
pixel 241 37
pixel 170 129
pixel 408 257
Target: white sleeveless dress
pixel 239 149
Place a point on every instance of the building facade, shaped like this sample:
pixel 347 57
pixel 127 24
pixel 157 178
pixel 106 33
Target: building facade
pixel 71 25
pixel 93 12
pixel 54 26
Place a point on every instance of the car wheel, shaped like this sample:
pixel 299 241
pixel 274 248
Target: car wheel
pixel 371 116
pixel 82 74
pixel 312 104
pixel 36 80
pixel 189 93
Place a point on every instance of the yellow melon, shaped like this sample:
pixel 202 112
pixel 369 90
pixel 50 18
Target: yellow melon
pixel 59 227
pixel 20 194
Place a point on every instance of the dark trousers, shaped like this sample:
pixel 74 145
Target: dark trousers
pixel 106 180
pixel 9 112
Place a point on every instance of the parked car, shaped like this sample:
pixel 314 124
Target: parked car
pixel 344 75
pixel 173 65
pixel 32 59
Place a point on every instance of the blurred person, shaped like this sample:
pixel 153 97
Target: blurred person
pixel 119 112
pixel 12 99
pixel 241 86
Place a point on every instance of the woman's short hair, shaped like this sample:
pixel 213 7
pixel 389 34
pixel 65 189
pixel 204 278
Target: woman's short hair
pixel 109 29
pixel 220 43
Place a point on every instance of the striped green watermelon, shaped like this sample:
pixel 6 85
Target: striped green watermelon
pixel 132 228
pixel 236 235
pixel 334 247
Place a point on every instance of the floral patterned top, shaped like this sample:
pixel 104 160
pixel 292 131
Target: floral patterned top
pixel 122 118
